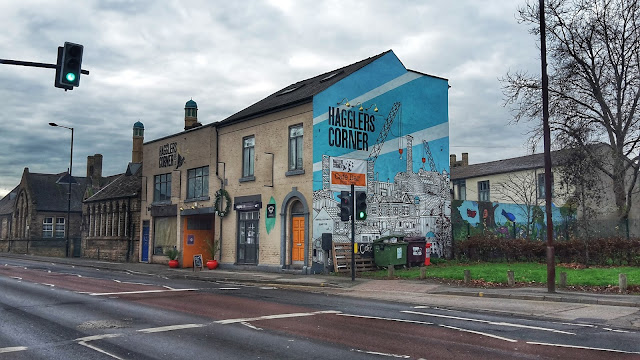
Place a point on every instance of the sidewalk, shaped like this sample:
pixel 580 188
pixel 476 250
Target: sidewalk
pixel 613 309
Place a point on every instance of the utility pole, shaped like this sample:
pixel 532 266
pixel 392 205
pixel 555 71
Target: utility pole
pixel 551 268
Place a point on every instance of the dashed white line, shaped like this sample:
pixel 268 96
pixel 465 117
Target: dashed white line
pixel 479 333
pixel 489 322
pixel 137 292
pixel 98 337
pixel 277 316
pixel 387 319
pixel 171 328
pixel 250 326
pixel 582 347
pixel 99 350
pixel 228 288
pixel 45 284
pixel 16 277
pixel 12 349
pixel 382 354
pixel 618 331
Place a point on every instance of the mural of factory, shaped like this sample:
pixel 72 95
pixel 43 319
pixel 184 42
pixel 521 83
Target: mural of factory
pixel 396 123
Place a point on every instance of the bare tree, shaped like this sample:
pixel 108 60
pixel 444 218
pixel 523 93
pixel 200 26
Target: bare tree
pixel 594 84
pixel 520 189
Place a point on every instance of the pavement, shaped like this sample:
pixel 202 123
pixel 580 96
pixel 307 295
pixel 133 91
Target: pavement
pixel 618 310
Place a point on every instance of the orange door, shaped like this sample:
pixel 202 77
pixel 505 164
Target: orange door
pixel 297 249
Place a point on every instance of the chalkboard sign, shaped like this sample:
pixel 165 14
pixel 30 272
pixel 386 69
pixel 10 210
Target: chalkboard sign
pixel 197 262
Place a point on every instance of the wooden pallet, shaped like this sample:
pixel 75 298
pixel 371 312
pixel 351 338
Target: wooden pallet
pixel 342 259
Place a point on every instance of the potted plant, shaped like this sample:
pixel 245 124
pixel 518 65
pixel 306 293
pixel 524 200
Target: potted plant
pixel 173 254
pixel 212 247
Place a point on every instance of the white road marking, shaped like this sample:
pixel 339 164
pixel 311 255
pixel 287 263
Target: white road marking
pixel 229 288
pixel 619 331
pixel 382 354
pixel 136 292
pixel 131 282
pixel 490 322
pixel 45 284
pixel 389 319
pixel 16 277
pixel 98 337
pixel 267 287
pixel 251 326
pixel 99 350
pixel 277 316
pixel 479 333
pixel 12 349
pixel 582 347
pixel 171 328
pixel 572 324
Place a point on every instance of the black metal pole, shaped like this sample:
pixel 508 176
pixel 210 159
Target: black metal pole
pixel 353 236
pixel 551 268
pixel 34 64
pixel 69 197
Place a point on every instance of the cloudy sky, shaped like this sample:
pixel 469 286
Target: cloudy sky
pixel 147 58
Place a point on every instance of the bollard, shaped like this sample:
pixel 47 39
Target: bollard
pixel 391 270
pixel 423 273
pixel 511 281
pixel 622 282
pixel 563 280
pixel 467 276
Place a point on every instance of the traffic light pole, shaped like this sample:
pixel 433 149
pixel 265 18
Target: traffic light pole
pixel 353 236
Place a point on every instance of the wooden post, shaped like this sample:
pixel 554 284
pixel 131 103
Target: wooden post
pixel 423 272
pixel 510 278
pixel 563 280
pixel 467 276
pixel 391 270
pixel 622 280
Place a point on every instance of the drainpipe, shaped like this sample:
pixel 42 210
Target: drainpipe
pixel 221 187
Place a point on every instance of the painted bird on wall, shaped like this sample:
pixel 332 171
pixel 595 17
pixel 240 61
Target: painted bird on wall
pixel 509 216
pixel 471 213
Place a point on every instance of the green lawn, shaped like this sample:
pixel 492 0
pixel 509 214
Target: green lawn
pixel 523 273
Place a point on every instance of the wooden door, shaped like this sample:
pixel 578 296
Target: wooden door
pixel 297 248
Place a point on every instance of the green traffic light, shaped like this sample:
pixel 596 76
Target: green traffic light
pixel 362 215
pixel 71 77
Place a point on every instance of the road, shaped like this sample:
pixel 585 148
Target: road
pixel 52 311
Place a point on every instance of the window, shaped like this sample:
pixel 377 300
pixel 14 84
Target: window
pixel 483 191
pixel 462 189
pixel 164 234
pixel 162 189
pixel 198 182
pixel 248 152
pixel 47 227
pixel 541 191
pixel 59 227
pixel 295 147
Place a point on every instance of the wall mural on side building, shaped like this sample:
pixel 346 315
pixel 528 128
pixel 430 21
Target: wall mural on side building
pixel 471 218
pixel 397 122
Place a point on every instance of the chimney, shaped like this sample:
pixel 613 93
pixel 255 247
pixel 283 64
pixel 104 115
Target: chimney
pixel 465 159
pixel 94 169
pixel 452 160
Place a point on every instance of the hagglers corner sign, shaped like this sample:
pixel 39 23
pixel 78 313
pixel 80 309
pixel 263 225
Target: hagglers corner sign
pixel 346 172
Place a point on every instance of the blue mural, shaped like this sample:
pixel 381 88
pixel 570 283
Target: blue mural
pixel 397 121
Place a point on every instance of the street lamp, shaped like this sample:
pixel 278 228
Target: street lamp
pixel 67 226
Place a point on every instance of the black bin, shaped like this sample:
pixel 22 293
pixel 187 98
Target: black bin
pixel 416 250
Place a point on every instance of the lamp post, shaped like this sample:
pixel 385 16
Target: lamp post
pixel 67 226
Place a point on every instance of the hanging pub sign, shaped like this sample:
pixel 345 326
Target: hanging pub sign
pixel 346 172
pixel 271 210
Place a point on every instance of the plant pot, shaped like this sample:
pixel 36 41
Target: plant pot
pixel 212 264
pixel 173 264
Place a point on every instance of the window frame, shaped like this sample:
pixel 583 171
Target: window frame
pixel 541 187
pixel 194 179
pixel 248 158
pixel 158 195
pixel 296 148
pixel 484 192
pixel 47 227
pixel 59 231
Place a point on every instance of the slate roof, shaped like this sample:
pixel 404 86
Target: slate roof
pixel 298 93
pixel 49 191
pixel 8 201
pixel 528 162
pixel 128 184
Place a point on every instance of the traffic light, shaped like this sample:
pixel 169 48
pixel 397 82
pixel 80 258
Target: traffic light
pixel 361 205
pixel 69 66
pixel 346 205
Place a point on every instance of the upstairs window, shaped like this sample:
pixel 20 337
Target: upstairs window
pixel 541 188
pixel 484 191
pixel 198 182
pixel 162 187
pixel 60 227
pixel 248 154
pixel 295 147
